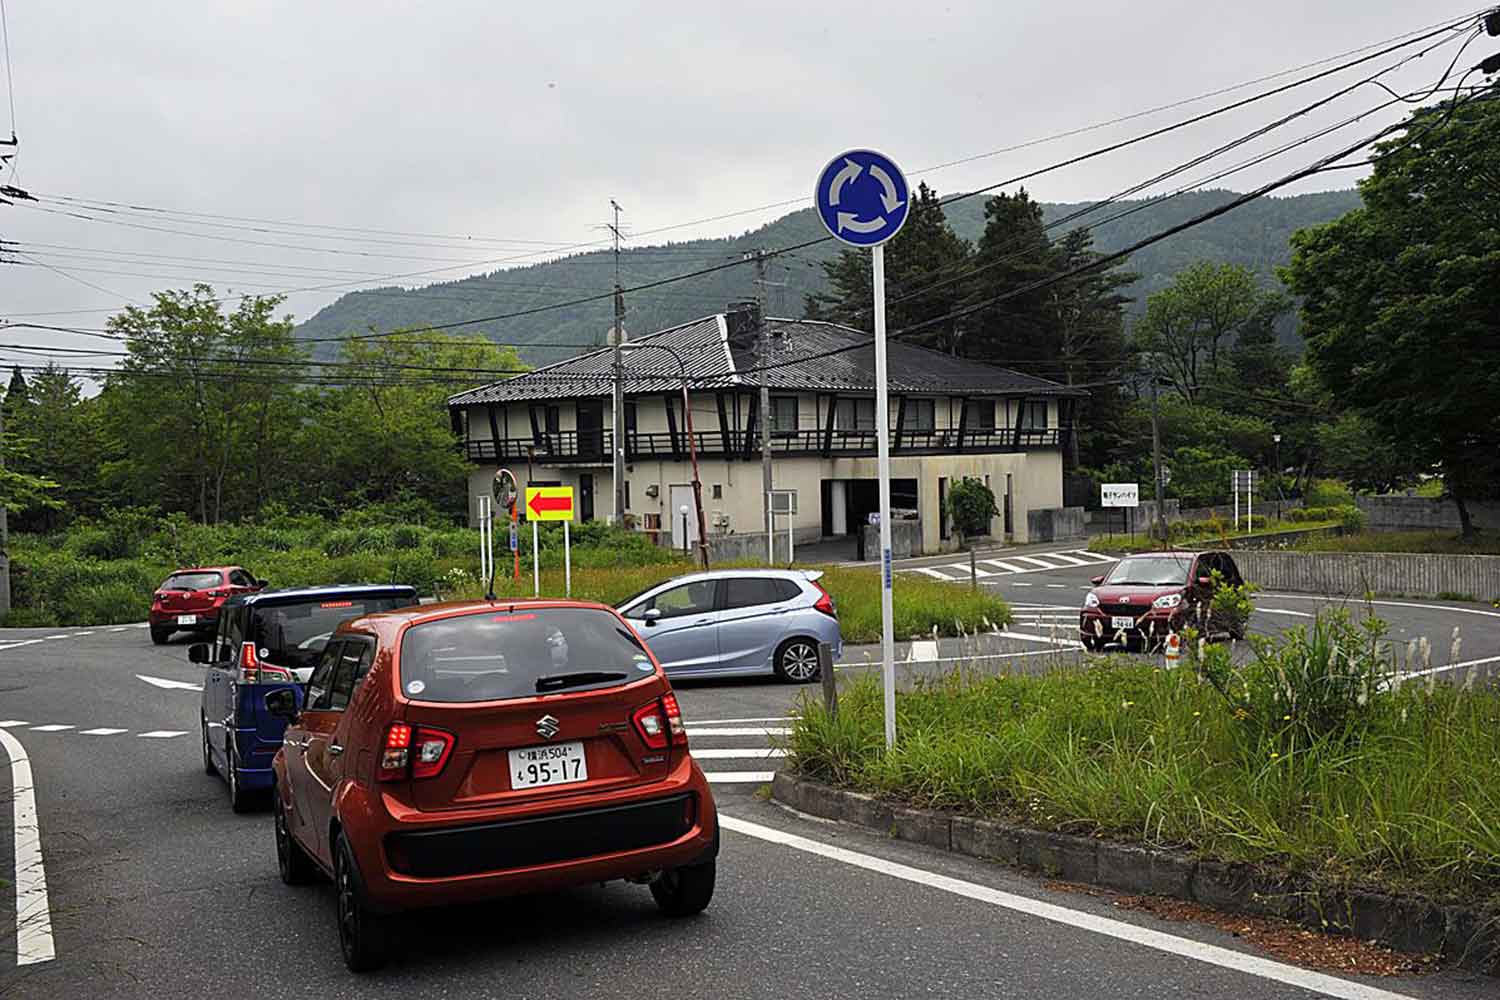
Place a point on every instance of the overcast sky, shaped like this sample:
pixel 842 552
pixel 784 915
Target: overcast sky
pixel 518 122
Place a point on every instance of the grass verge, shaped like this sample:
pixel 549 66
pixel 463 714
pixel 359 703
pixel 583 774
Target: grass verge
pixel 1187 534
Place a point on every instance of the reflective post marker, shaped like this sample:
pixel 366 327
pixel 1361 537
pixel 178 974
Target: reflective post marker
pixel 883 471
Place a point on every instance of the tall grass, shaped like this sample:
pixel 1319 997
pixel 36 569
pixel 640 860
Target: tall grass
pixel 1408 798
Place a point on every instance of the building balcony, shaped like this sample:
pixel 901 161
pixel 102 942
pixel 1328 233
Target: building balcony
pixel 596 447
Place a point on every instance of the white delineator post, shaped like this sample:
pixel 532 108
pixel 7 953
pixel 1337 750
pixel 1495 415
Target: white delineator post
pixel 883 471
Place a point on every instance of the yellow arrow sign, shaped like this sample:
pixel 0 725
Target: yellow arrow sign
pixel 549 503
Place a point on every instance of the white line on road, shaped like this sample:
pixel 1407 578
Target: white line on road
pixel 1382 604
pixel 53 728
pixel 162 682
pixel 924 649
pixel 1283 611
pixel 121 628
pixel 731 722
pixel 101 732
pixel 1056 586
pixel 12 723
pixel 738 777
pixel 1452 666
pixel 79 635
pixel 730 753
pixel 1198 951
pixel 33 914
pixel 1019 584
pixel 933 573
pixel 1008 567
pixel 762 731
pixel 1068 643
pixel 1070 560
pixel 162 734
pixel 63 636
pixel 23 642
pixel 1038 562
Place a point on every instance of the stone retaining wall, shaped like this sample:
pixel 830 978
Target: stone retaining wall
pixel 1354 574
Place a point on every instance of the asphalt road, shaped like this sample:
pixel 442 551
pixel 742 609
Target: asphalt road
pixel 156 889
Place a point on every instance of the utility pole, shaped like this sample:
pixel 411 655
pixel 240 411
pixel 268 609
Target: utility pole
pixel 618 421
pixel 4 534
pixel 1161 514
pixel 766 484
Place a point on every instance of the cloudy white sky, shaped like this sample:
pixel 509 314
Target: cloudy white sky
pixel 516 123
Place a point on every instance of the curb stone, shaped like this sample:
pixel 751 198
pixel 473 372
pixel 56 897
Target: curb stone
pixel 1466 935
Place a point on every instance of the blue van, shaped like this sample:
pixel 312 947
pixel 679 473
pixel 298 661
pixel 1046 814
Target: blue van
pixel 265 642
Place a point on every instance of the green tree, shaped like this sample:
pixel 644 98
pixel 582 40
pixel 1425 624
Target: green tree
pixel 1399 307
pixel 65 444
pixel 1354 449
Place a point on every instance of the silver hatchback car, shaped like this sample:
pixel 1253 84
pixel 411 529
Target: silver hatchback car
pixel 736 622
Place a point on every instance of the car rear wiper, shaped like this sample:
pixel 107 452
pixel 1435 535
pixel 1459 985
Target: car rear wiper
pixel 552 682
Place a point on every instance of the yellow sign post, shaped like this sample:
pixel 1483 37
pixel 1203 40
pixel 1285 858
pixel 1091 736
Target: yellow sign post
pixel 550 503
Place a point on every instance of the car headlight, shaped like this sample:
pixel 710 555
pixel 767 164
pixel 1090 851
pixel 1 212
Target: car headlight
pixel 1091 601
pixel 1167 601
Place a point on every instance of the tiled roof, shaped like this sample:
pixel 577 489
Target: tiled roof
pixel 804 354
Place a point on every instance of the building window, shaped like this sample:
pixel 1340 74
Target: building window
pixel 1034 414
pixel 921 415
pixel 718 491
pixel 627 494
pixel 854 415
pixel 784 415
pixel 554 419
pixel 979 414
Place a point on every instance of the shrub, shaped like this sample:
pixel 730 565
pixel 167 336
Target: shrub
pixel 340 542
pixel 407 536
pixel 1351 519
pixel 105 603
pixel 29 618
pixel 1328 493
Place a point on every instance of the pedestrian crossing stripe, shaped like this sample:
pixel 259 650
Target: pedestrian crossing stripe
pixel 1015 565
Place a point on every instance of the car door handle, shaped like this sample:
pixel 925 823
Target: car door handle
pixel 334 749
pixel 704 621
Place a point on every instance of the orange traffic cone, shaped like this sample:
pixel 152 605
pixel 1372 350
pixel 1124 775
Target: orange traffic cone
pixel 1173 649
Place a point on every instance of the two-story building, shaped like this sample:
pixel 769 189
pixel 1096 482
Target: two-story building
pixel 950 418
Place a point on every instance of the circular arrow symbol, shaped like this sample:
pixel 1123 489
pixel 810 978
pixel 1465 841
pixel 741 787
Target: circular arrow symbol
pixel 862 197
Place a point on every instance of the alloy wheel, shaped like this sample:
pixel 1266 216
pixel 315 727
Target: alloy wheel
pixel 800 661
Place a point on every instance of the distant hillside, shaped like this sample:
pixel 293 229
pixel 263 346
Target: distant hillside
pixel 1255 234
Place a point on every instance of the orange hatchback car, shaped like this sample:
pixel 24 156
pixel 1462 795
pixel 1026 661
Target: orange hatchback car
pixel 451 753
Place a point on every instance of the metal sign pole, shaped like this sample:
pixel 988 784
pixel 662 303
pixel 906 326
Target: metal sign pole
pixel 883 470
pixel 770 532
pixel 536 562
pixel 567 560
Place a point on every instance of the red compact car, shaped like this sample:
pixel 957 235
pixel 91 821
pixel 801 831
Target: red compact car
pixel 457 752
pixel 1149 595
pixel 189 600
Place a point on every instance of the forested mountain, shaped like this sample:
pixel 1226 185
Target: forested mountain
pixel 1255 235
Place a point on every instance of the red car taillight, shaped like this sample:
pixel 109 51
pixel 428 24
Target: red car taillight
pixel 413 752
pixel 252 671
pixel 825 602
pixel 217 594
pixel 660 723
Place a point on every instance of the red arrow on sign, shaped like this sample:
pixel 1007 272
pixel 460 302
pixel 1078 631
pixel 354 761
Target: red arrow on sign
pixel 540 504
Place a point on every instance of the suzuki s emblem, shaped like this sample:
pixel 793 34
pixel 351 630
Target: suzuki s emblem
pixel 547 727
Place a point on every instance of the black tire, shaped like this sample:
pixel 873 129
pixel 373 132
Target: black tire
pixel 363 934
pixel 1092 643
pixel 684 892
pixel 295 867
pixel 241 799
pixel 159 636
pixel 208 760
pixel 796 662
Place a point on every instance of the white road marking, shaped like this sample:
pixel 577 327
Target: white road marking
pixel 1037 562
pixel 101 732
pixel 1283 611
pixel 12 723
pixel 730 753
pixel 80 635
pixel 33 914
pixel 22 642
pixel 1019 584
pixel 1056 586
pixel 1069 559
pixel 738 777
pixel 763 731
pixel 924 649
pixel 121 628
pixel 1198 951
pixel 933 573
pixel 1099 557
pixel 162 734
pixel 53 728
pixel 1070 643
pixel 962 569
pixel 1383 604
pixel 1452 666
pixel 63 636
pixel 730 722
pixel 163 682
pixel 1008 567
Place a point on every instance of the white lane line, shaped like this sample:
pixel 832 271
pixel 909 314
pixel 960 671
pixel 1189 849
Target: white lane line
pixel 1283 611
pixel 738 777
pixel 1382 604
pixel 1056 586
pixel 731 722
pixel 12 723
pixel 1070 643
pixel 729 753
pixel 33 914
pixel 162 734
pixel 1037 562
pixel 63 636
pixel 933 573
pixel 121 628
pixel 761 731
pixel 80 635
pixel 53 728
pixel 1403 678
pixel 962 569
pixel 22 642
pixel 1099 557
pixel 101 732
pixel 169 685
pixel 1071 560
pixel 924 649
pixel 1020 584
pixel 1008 567
pixel 1198 951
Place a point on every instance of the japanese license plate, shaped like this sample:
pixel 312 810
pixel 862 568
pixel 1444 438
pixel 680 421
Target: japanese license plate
pixel 187 619
pixel 555 764
pixel 1121 621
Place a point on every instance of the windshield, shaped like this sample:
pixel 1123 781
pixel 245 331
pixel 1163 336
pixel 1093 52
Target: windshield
pixel 192 581
pixel 488 657
pixel 293 632
pixel 1151 571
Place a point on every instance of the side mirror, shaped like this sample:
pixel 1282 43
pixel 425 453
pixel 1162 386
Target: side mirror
pixel 282 704
pixel 652 616
pixel 199 652
pixel 1205 581
pixel 259 584
pixel 1097 580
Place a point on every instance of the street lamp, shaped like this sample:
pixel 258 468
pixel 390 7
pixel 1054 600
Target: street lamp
pixel 1276 440
pixel 687 411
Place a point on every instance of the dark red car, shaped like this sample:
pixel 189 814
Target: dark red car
pixel 189 600
pixel 1149 595
pixel 457 752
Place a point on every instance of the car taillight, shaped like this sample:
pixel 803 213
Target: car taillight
pixel 660 723
pixel 216 594
pixel 252 671
pixel 415 752
pixel 825 602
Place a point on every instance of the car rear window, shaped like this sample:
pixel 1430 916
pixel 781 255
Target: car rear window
pixel 192 581
pixel 292 632
pixel 497 655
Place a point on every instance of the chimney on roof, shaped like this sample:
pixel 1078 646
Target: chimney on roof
pixel 743 320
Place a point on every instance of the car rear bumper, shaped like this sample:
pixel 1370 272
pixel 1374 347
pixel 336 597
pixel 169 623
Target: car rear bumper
pixel 407 865
pixel 206 619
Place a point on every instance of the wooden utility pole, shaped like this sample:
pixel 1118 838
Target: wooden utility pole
pixel 1161 514
pixel 766 482
pixel 617 422
pixel 4 533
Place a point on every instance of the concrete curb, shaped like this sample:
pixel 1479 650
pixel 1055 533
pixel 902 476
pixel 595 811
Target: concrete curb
pixel 1466 935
